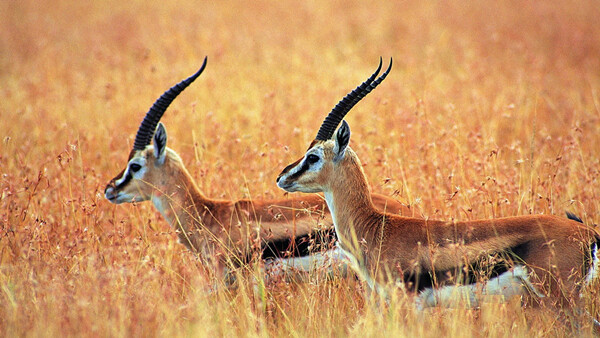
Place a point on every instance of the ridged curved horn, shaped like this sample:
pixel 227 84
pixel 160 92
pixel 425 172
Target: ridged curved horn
pixel 343 107
pixel 148 126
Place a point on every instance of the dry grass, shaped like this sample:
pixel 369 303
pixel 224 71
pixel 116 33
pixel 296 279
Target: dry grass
pixel 492 109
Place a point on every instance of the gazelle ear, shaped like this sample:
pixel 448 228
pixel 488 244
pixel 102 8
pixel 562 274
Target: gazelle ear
pixel 160 144
pixel 342 138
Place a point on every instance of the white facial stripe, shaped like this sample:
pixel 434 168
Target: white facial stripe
pixel 304 166
pixel 122 179
pixel 296 180
pixel 294 170
pixel 137 175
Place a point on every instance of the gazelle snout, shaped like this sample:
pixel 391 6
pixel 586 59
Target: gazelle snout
pixel 118 195
pixel 283 178
pixel 109 193
pixel 112 193
pixel 285 184
pixel 119 189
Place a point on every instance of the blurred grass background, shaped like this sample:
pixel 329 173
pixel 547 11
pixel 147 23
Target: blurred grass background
pixel 492 109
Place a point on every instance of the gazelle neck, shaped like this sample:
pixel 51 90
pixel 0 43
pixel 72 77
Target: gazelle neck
pixel 348 198
pixel 181 203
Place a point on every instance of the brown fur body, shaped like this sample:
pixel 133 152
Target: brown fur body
pixel 388 247
pixel 229 230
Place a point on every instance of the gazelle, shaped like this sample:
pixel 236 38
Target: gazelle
pixel 221 231
pixel 542 255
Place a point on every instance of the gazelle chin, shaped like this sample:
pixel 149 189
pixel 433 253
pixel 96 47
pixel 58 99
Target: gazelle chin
pixel 544 258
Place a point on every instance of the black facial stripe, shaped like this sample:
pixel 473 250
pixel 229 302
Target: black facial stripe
pixel 301 171
pixel 128 178
pixel 289 167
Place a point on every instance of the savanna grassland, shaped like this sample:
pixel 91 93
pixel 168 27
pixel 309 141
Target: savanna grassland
pixel 492 109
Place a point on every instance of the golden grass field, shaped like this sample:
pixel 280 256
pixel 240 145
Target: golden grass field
pixel 492 109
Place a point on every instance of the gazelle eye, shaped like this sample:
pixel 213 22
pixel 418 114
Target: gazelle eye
pixel 134 167
pixel 311 159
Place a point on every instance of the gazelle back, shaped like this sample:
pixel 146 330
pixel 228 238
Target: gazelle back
pixel 545 255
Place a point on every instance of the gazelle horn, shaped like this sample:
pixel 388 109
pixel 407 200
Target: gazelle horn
pixel 148 126
pixel 343 107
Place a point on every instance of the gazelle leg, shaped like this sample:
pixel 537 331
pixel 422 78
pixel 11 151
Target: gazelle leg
pixel 330 263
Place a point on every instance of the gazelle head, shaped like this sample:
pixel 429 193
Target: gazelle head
pixel 148 162
pixel 324 156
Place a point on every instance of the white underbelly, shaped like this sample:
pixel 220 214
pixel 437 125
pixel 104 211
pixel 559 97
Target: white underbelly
pixel 509 284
